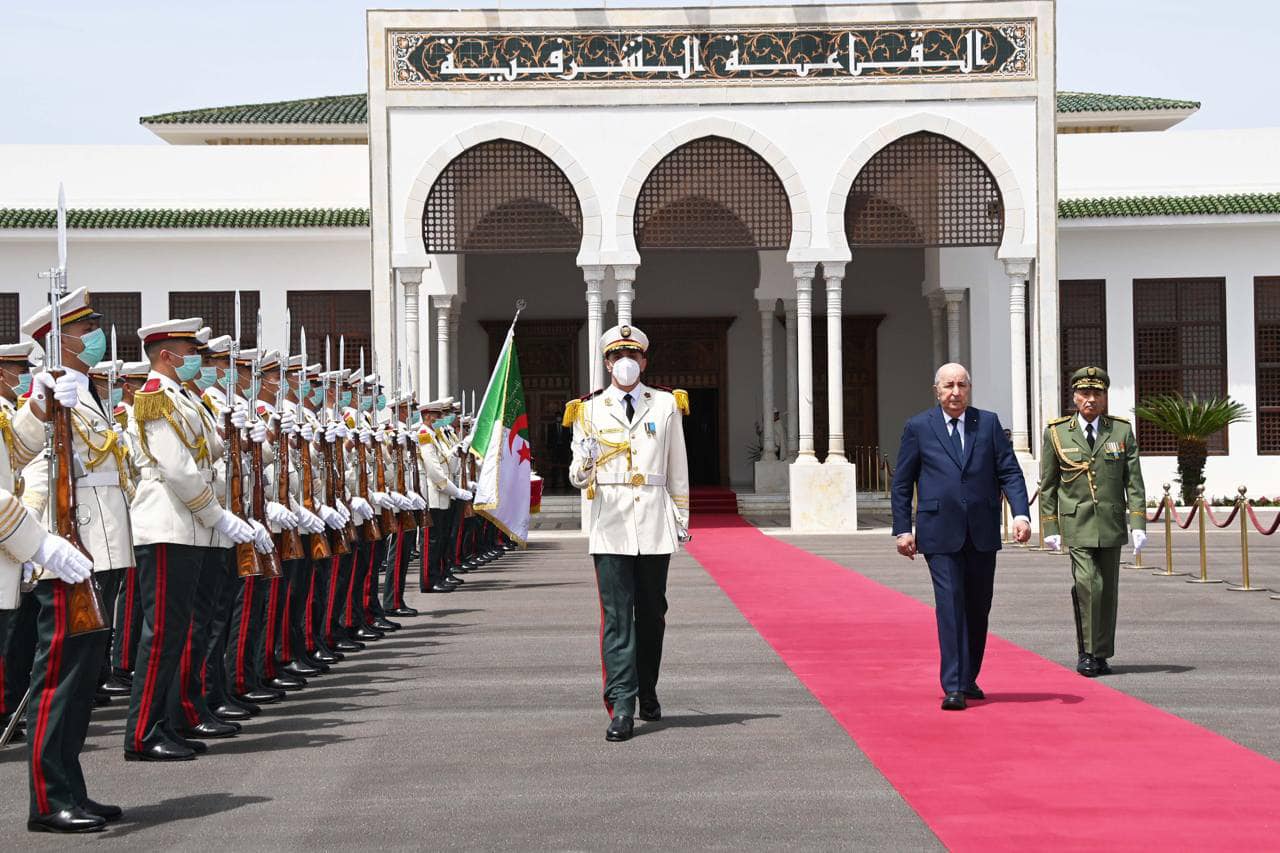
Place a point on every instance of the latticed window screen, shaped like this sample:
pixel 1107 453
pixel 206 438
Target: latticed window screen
pixel 124 311
pixel 1082 330
pixel 501 197
pixel 10 320
pixel 335 314
pixel 713 193
pixel 1180 346
pixel 1266 331
pixel 218 309
pixel 924 190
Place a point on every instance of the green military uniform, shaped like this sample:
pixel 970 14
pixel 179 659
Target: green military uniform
pixel 1087 494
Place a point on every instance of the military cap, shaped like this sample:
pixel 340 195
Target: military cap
pixel 19 352
pixel 187 329
pixel 220 345
pixel 1090 377
pixel 72 307
pixel 135 369
pixel 623 337
pixel 103 368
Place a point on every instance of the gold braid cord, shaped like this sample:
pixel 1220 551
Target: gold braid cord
pixel 6 430
pixel 1075 468
pixel 616 448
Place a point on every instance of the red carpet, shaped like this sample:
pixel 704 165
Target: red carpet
pixel 707 500
pixel 1049 760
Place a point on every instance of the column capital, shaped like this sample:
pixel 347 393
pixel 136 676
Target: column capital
pixel 767 306
pixel 833 269
pixel 937 299
pixel 1019 268
pixel 593 275
pixel 442 301
pixel 804 269
pixel 954 296
pixel 409 275
pixel 789 306
pixel 625 272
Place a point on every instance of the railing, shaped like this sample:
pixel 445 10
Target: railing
pixel 1242 512
pixel 874 472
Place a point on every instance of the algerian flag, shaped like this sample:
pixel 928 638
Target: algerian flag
pixel 501 442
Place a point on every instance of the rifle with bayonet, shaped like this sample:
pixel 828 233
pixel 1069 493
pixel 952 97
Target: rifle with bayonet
pixel 270 561
pixel 338 541
pixel 369 530
pixel 85 611
pixel 415 461
pixel 408 520
pixel 247 562
pixel 288 542
pixel 340 448
pixel 318 543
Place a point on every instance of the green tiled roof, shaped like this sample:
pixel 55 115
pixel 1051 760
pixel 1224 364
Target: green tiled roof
pixel 333 109
pixel 1092 102
pixel 354 109
pixel 340 217
pixel 1192 205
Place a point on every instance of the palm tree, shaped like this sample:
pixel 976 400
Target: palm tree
pixel 1191 421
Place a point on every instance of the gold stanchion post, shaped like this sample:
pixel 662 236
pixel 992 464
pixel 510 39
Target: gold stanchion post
pixel 1168 571
pixel 1203 577
pixel 1243 503
pixel 1004 520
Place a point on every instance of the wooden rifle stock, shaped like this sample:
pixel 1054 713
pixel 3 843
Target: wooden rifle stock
pixel 369 530
pixel 338 542
pixel 288 542
pixel 408 518
pixel 340 463
pixel 247 563
pixel 318 542
pixel 390 524
pixel 424 517
pixel 85 612
pixel 271 567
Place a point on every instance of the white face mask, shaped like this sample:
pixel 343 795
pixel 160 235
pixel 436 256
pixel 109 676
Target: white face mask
pixel 626 371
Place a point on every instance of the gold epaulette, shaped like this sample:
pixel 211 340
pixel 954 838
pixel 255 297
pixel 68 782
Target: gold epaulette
pixel 682 400
pixel 571 412
pixel 151 405
pixel 424 436
pixel 1061 420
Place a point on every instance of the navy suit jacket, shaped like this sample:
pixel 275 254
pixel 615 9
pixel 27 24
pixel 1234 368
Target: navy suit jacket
pixel 957 497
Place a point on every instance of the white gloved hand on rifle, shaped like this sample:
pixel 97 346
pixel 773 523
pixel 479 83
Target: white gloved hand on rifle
pixel 416 500
pixel 360 509
pixel 332 432
pixel 239 415
pixel 288 423
pixel 401 502
pixel 308 521
pixel 261 537
pixel 258 431
pixel 342 510
pixel 279 515
pixel 366 435
pixel 63 560
pixel 307 432
pixel 65 389
pixel 331 517
pixel 234 528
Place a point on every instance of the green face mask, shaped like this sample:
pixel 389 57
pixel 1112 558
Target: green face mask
pixel 189 369
pixel 414 417
pixel 381 402
pixel 95 347
pixel 24 384
pixel 207 378
pixel 344 399
pixel 366 404
pixel 117 394
pixel 446 421
pixel 304 388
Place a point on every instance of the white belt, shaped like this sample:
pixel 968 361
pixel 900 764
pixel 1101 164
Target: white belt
pixel 98 479
pixel 151 472
pixel 630 478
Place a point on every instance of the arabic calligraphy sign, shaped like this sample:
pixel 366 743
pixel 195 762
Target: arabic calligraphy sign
pixel 994 49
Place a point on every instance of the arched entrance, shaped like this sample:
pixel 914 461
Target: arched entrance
pixel 702 216
pixel 515 222
pixel 914 201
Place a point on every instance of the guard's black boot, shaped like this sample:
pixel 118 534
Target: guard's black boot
pixel 620 728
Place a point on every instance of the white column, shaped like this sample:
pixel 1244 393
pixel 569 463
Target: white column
pixel 804 338
pixel 1018 271
pixel 766 379
pixel 593 275
pixel 443 304
pixel 955 305
pixel 793 379
pixel 624 276
pixel 410 279
pixel 937 313
pixel 833 273
pixel 455 311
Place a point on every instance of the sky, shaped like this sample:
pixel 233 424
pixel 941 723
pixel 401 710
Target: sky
pixel 83 71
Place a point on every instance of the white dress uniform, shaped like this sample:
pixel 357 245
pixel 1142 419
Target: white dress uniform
pixel 20 530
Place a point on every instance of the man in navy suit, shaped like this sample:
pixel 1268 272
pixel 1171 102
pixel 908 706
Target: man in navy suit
pixel 957 460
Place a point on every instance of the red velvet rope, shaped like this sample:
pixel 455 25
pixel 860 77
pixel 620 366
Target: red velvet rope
pixel 1275 522
pixel 1235 510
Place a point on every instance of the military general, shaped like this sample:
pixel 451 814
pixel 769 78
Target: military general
pixel 1092 495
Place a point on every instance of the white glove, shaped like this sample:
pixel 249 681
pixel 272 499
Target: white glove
pixel 381 500
pixel 261 537
pixel 402 437
pixel 366 435
pixel 459 451
pixel 331 517
pixel 258 432
pixel 589 449
pixel 1054 542
pixel 308 521
pixel 280 516
pixel 306 431
pixel 117 429
pixel 239 416
pixel 331 432
pixel 344 431
pixel 400 501
pixel 1139 540
pixel 28 571
pixel 360 509
pixel 65 388
pixel 465 495
pixel 234 528
pixel 416 500
pixel 288 423
pixel 63 560
pixel 342 510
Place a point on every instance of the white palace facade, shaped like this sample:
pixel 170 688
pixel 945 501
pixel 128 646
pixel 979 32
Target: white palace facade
pixel 806 208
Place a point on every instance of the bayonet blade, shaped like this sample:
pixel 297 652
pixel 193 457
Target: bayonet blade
pixel 62 230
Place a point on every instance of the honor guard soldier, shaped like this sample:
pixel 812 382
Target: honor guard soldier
pixel 629 457
pixel 440 491
pixel 67 665
pixel 177 525
pixel 1092 495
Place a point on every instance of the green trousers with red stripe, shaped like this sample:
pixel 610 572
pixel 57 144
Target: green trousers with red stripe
pixel 65 675
pixel 633 609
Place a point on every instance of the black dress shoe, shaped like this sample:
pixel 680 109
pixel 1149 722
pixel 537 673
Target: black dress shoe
pixel 328 658
pixel 366 635
pixel 453 579
pixel 199 747
pixel 620 729
pixel 110 814
pixel 386 625
pixel 67 820
pixel 261 696
pixel 314 662
pixel 403 612
pixel 300 670
pixel 1087 666
pixel 160 750
pixel 650 710
pixel 116 687
pixel 348 646
pixel 286 683
pixel 954 702
pixel 210 729
pixel 442 587
pixel 230 713
pixel 1104 668
pixel 973 691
